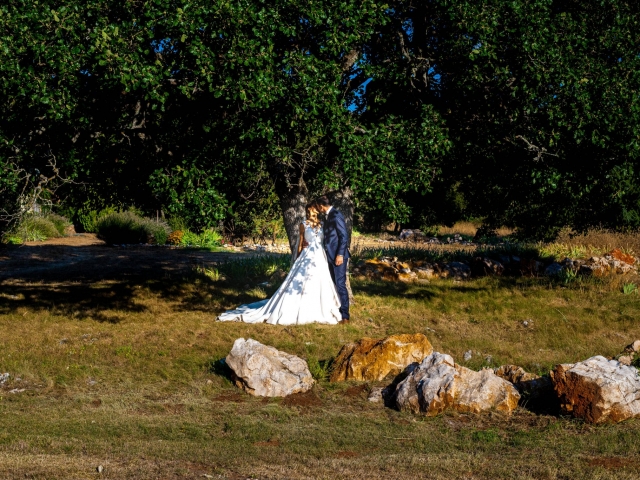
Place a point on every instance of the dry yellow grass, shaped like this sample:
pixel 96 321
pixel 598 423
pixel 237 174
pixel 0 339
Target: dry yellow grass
pixel 123 373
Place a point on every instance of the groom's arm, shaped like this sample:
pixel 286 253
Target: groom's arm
pixel 341 230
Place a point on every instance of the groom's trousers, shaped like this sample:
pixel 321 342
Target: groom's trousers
pixel 339 277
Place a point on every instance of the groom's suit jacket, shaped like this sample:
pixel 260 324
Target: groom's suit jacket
pixel 336 237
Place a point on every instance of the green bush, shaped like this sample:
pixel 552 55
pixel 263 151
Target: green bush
pixel 129 228
pixel 36 227
pixel 61 223
pixel 206 239
pixel 178 223
pixel 89 218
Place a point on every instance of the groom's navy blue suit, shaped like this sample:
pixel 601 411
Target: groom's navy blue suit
pixel 336 242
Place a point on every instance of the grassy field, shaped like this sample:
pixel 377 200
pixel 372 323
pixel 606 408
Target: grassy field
pixel 124 372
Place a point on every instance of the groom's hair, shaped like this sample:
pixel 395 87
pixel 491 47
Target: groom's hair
pixel 323 200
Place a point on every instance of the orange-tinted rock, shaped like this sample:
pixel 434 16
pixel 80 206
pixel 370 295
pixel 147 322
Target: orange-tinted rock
pixel 374 359
pixel 623 257
pixel 598 390
pixel 438 384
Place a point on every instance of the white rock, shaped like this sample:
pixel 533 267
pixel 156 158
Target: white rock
pixel 467 355
pixel 266 372
pixel 438 383
pixel 598 390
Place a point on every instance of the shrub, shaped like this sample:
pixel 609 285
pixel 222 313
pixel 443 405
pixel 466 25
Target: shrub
pixel 130 228
pixel 89 218
pixel 206 239
pixel 178 223
pixel 35 227
pixel 176 237
pixel 61 223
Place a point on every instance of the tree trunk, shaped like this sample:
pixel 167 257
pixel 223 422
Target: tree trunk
pixel 293 200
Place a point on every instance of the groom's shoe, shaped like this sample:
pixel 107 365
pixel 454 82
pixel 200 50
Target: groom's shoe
pixel 344 321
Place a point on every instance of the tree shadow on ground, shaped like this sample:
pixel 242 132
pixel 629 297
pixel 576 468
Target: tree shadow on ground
pixel 103 301
pixel 104 283
pixel 381 288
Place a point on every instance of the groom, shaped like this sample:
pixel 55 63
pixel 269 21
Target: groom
pixel 336 244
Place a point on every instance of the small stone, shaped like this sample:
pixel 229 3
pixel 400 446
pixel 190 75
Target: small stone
pixel 63 341
pixel 467 355
pixel 625 360
pixel 375 395
pixel 99 469
pixel 634 347
pixel 526 323
pixel 553 270
pixel 4 377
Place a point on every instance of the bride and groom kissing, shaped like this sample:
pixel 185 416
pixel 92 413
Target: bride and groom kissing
pixel 315 290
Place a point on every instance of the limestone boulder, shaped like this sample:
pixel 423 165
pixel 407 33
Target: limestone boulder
pixel 598 390
pixel 370 359
pixel 438 383
pixel 264 371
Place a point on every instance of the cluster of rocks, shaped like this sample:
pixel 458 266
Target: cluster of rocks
pixel 614 262
pixel 390 268
pixel 416 235
pixel 393 269
pixel 426 382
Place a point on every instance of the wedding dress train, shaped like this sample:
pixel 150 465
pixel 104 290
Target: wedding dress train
pixel 307 295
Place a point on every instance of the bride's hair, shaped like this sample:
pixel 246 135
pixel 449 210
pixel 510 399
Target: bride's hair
pixel 312 215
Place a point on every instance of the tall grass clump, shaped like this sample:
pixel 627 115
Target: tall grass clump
pixel 38 227
pixel 129 228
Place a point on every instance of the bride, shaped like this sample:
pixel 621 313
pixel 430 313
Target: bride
pixel 307 295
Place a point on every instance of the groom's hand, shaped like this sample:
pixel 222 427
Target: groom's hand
pixel 339 260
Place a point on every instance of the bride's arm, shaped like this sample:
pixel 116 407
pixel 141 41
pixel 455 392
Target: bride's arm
pixel 301 241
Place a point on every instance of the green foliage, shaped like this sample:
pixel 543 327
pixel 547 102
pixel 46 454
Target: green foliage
pixel 206 239
pixel 177 223
pixel 89 218
pixel 471 108
pixel 319 369
pixel 629 288
pixel 121 228
pixel 60 223
pixel 566 276
pixel 37 227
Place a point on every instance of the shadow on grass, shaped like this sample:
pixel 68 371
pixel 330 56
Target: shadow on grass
pixel 104 284
pixel 381 288
pixel 91 300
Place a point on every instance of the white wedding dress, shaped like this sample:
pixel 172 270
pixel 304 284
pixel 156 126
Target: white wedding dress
pixel 307 295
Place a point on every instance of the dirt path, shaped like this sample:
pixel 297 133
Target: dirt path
pixel 85 258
